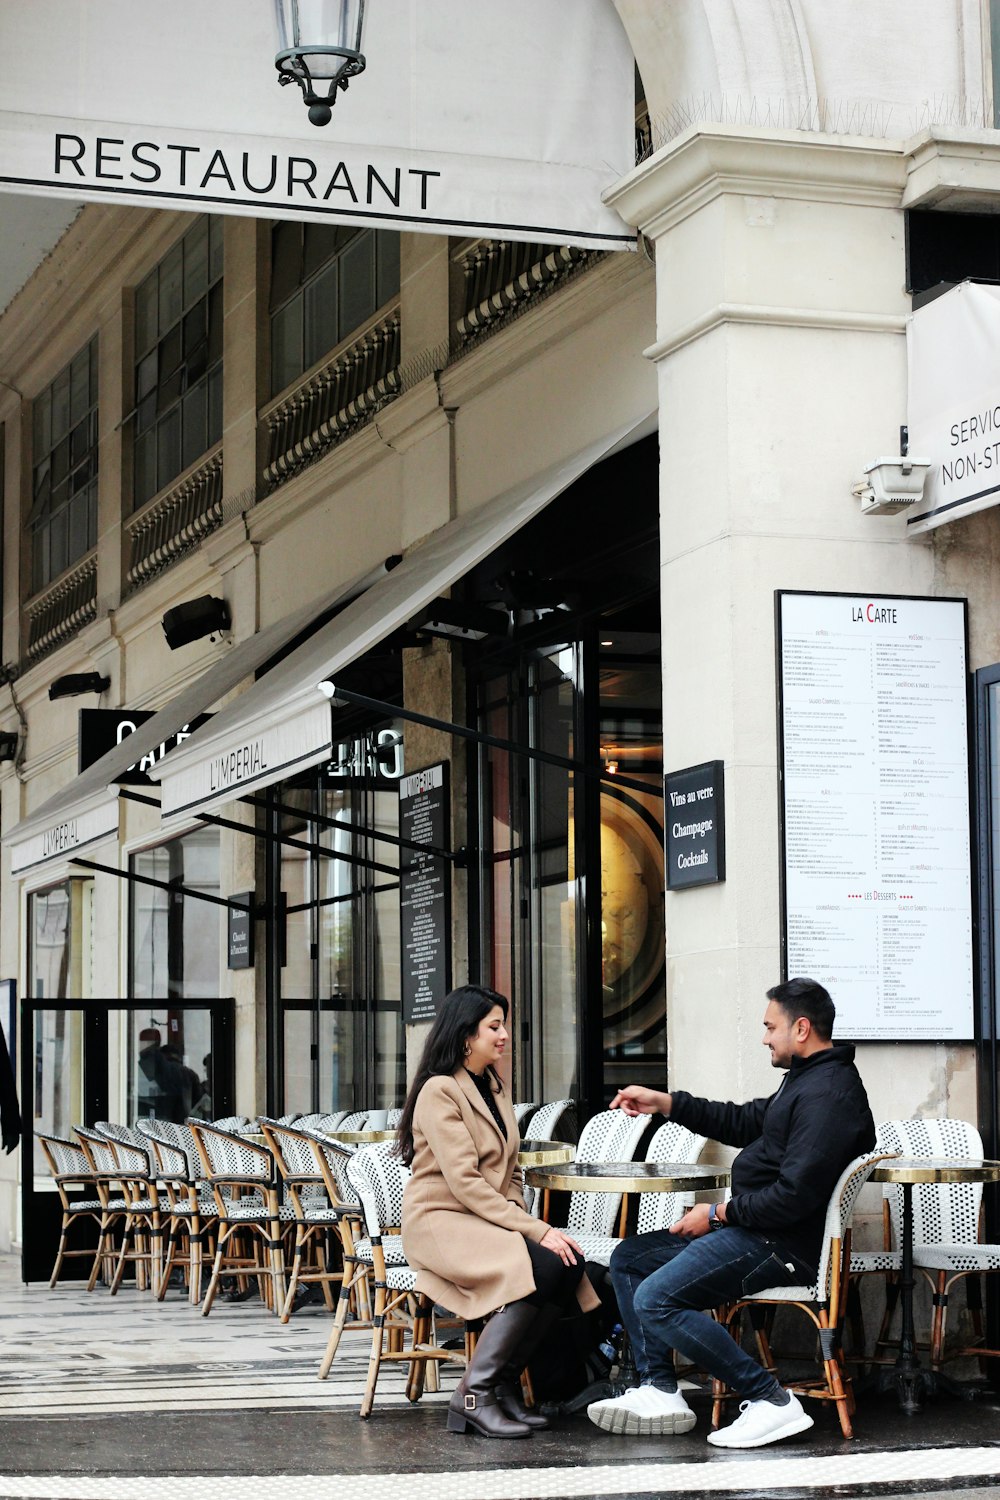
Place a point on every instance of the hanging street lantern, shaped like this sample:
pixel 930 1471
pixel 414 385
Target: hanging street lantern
pixel 319 42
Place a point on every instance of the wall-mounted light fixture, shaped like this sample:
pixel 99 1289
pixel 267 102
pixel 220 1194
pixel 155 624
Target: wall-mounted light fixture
pixel 195 618
pixel 74 684
pixel 319 42
pixel 8 745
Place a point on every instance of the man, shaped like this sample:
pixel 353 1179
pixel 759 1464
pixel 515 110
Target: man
pixel 795 1145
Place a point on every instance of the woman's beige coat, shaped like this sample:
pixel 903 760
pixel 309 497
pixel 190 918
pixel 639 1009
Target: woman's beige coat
pixel 464 1219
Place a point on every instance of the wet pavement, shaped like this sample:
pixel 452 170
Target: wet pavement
pixel 102 1397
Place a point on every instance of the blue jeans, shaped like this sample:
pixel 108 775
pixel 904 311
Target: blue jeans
pixel 664 1285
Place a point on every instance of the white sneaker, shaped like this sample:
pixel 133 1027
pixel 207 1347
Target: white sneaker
pixel 643 1412
pixel 761 1422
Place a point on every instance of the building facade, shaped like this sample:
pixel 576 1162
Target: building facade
pixel 597 469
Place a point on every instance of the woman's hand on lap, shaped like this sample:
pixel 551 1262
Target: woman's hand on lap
pixel 560 1244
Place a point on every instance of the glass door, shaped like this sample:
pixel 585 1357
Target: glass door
pixel 66 1080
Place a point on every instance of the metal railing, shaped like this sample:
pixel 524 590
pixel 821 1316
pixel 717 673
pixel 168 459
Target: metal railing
pixel 174 522
pixel 334 401
pixel 503 279
pixel 61 609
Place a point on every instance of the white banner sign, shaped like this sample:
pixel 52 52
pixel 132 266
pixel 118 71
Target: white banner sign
pixel 469 119
pixel 954 403
pixel 877 862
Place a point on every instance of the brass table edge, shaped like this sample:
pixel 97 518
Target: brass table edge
pixel 560 1179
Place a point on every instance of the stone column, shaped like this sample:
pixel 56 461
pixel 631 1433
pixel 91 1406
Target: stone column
pixel 781 356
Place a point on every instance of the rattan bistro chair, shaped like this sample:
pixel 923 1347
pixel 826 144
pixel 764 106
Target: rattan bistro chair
pixel 70 1168
pixel 378 1177
pixel 241 1176
pixel 118 1163
pixel 315 1217
pixel 824 1303
pixel 946 1216
pixel 189 1209
pixel 671 1143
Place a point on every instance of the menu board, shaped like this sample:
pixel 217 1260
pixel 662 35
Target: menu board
pixel 425 886
pixel 876 816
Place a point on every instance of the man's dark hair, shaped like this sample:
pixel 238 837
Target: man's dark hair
pixel 804 997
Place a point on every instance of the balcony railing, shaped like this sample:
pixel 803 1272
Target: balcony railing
pixel 62 609
pixel 503 279
pixel 334 401
pixel 174 522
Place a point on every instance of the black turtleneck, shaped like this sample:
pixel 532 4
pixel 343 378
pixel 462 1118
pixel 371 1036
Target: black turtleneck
pixel 482 1082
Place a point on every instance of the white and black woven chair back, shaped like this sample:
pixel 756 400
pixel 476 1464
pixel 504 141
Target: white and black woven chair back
pixel 392 1118
pixel 522 1114
pixel 555 1121
pixel 325 1123
pixel 232 1123
pixel 289 1119
pixel 173 1162
pixel 840 1211
pixel 336 1156
pixel 68 1158
pixel 295 1152
pixel 610 1136
pixel 231 1157
pixel 671 1143
pixel 356 1120
pixel 101 1150
pixel 945 1213
pixel 378 1178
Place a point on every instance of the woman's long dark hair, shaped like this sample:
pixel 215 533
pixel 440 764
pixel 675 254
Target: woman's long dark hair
pixel 444 1051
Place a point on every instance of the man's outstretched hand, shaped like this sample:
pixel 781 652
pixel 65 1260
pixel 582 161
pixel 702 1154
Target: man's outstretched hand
pixel 635 1100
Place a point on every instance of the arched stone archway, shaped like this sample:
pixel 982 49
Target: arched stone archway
pixel 853 68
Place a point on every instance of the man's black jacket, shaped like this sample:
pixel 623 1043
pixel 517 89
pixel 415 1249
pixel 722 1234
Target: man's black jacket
pixel 796 1144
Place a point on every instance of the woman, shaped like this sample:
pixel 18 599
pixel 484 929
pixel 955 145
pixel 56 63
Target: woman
pixel 466 1231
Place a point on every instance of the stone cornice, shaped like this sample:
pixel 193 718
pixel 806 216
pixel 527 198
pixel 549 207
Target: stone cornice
pixel 775 317
pixel 708 161
pixel 953 169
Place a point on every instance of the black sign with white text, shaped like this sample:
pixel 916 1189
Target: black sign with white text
pixel 101 729
pixel 425 893
pixel 694 803
pixel 241 932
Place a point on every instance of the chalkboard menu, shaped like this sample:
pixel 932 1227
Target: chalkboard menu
pixel 425 893
pixel 694 805
pixel 875 811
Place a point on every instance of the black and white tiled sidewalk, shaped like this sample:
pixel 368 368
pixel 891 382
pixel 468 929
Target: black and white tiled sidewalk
pixel 103 1398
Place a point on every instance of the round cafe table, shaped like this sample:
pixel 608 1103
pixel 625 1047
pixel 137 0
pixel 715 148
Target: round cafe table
pixel 912 1380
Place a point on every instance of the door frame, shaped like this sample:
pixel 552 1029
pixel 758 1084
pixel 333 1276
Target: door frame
pixel 41 1212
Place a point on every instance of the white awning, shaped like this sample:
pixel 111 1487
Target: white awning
pixel 86 811
pixel 283 724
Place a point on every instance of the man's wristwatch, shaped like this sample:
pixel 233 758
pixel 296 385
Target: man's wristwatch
pixel 714 1222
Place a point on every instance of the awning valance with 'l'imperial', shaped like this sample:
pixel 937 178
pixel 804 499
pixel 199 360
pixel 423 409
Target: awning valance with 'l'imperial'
pixel 85 812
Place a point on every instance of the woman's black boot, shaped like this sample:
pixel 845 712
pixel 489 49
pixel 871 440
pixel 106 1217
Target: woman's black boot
pixel 509 1393
pixel 474 1405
